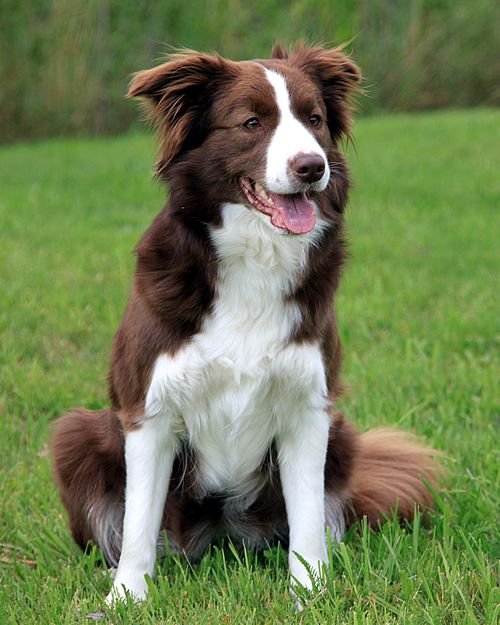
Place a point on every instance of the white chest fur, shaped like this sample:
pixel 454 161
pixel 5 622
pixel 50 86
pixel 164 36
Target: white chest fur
pixel 239 382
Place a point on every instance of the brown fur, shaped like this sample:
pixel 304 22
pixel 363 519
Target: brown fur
pixel 173 285
pixel 204 152
pixel 389 475
pixel 89 467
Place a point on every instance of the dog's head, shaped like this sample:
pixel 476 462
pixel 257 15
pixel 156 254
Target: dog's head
pixel 263 132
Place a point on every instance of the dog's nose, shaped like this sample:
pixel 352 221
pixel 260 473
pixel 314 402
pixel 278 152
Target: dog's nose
pixel 308 167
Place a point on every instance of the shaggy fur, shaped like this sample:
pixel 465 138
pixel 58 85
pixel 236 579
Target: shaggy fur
pixel 225 367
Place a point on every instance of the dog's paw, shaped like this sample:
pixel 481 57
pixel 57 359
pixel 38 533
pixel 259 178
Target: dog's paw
pixel 131 585
pixel 302 596
pixel 307 579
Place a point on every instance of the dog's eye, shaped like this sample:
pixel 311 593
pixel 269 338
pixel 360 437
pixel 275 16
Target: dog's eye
pixel 315 120
pixel 252 123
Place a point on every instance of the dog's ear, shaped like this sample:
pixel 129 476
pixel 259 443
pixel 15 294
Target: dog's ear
pixel 339 78
pixel 177 96
pixel 279 51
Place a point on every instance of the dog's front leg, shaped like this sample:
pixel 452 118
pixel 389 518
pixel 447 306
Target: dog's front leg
pixel 302 455
pixel 149 456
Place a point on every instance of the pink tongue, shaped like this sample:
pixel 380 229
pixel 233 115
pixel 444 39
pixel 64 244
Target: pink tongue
pixel 294 213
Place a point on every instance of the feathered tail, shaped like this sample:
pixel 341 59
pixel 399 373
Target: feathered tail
pixel 89 469
pixel 391 473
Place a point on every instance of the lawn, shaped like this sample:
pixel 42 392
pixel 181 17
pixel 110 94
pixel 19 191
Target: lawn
pixel 418 313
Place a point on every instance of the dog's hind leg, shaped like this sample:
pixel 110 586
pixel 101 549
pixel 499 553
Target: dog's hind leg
pixel 374 475
pixel 342 447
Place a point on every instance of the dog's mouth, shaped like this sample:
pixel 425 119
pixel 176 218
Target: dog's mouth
pixel 295 213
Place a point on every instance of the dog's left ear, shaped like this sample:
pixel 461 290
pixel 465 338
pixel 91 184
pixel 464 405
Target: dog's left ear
pixel 279 51
pixel 339 78
pixel 177 96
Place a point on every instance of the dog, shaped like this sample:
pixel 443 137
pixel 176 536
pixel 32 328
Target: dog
pixel 225 368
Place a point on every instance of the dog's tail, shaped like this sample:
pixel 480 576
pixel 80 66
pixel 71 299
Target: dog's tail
pixel 391 474
pixel 89 468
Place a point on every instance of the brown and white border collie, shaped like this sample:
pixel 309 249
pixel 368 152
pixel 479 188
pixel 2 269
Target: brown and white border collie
pixel 225 368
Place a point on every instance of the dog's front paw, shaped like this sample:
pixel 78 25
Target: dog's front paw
pixel 307 579
pixel 132 584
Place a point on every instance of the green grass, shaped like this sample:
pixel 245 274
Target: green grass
pixel 417 309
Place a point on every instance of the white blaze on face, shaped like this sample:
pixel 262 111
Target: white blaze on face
pixel 290 138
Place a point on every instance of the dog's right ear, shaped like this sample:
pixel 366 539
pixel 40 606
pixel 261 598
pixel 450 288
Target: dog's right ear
pixel 177 95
